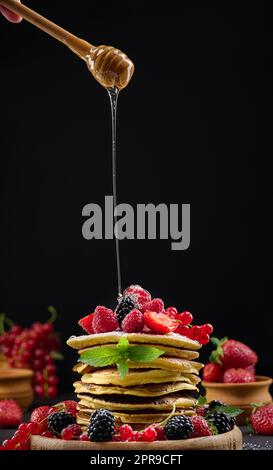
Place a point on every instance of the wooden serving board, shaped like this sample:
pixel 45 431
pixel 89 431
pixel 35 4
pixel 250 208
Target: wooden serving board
pixel 232 440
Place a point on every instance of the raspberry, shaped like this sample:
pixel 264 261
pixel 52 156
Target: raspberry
pixel 104 320
pixel 86 323
pixel 39 416
pixel 160 433
pixel 10 414
pixel 202 410
pixel 238 376
pixel 185 318
pixel 73 430
pixel 213 372
pixel 155 305
pixel 142 295
pixel 126 432
pixel 159 322
pixel 200 427
pixel 133 322
pixel 149 434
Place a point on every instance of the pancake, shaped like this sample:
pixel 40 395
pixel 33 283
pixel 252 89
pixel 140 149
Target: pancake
pixel 169 351
pixel 165 363
pixel 170 339
pixel 148 390
pixel 175 364
pixel 134 377
pixel 83 417
pixel 119 404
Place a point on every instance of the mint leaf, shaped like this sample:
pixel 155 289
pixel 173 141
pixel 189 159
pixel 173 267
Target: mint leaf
pixel 123 368
pixel 123 344
pixel 100 356
pixel 213 429
pixel 201 400
pixel 230 411
pixel 143 353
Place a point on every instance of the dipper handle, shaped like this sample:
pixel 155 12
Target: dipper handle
pixel 78 46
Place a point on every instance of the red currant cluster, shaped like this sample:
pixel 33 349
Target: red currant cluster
pixel 39 426
pixel 198 333
pixel 151 433
pixel 34 348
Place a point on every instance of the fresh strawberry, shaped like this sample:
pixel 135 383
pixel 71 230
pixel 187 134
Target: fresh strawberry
pixel 10 414
pixel 231 353
pixel 39 416
pixel 262 420
pixel 133 322
pixel 142 295
pixel 104 320
pixel 213 372
pixel 155 305
pixel 200 427
pixel 86 323
pixel 159 322
pixel 238 376
pixel 251 369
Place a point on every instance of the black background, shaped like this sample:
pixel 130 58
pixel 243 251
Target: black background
pixel 194 126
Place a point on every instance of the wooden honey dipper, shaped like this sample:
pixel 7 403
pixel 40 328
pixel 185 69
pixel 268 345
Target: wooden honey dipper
pixel 109 66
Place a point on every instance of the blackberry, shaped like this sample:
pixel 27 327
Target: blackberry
pixel 215 403
pixel 125 305
pixel 179 427
pixel 221 421
pixel 101 427
pixel 59 421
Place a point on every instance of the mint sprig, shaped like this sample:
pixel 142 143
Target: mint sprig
pixel 121 354
pixel 230 411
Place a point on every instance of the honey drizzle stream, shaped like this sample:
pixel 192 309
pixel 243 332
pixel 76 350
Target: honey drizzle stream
pixel 113 95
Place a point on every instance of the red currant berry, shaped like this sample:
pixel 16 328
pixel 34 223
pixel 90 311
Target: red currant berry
pixel 203 338
pixel 47 328
pixel 171 312
pixel 22 429
pixel 39 378
pixel 48 359
pixel 160 433
pixel 84 437
pixel 126 432
pixel 53 380
pixel 37 364
pixel 207 328
pixel 52 391
pixel 185 318
pixel 51 369
pixel 33 428
pixel 194 332
pixel 16 329
pixel 39 353
pixel 183 330
pixel 39 390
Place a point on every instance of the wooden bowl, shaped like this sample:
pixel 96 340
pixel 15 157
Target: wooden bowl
pixel 16 384
pixel 232 440
pixel 240 395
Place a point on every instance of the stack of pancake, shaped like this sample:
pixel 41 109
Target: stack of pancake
pixel 150 390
